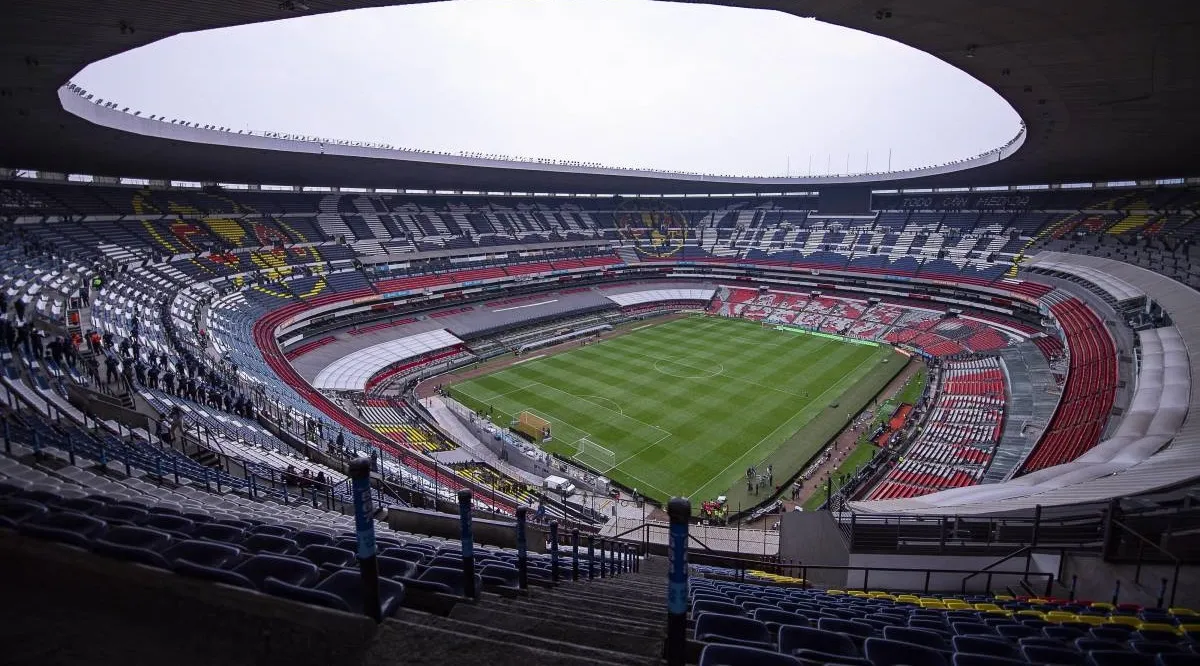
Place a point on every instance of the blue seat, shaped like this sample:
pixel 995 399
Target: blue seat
pixel 884 652
pixel 1088 644
pixel 1017 631
pixel 718 628
pixel 736 655
pixel 1039 654
pixel 722 608
pixel 290 570
pixel 118 513
pixel 973 629
pixel 218 532
pixel 451 579
pixel 15 511
pixel 66 527
pixel 1064 634
pixel 308 538
pixel 968 659
pixel 266 543
pixel 499 575
pixel 176 524
pixel 981 644
pixel 924 637
pixel 775 618
pixel 857 631
pixel 409 554
pixel 394 567
pixel 1042 641
pixel 1110 633
pixel 203 553
pixel 793 639
pixel 1158 635
pixel 1113 658
pixel 342 591
pixel 1156 647
pixel 135 544
pixel 327 555
pixel 87 505
pixel 1178 659
pixel 930 625
pixel 273 530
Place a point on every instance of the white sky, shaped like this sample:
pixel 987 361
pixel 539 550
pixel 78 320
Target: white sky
pixel 622 82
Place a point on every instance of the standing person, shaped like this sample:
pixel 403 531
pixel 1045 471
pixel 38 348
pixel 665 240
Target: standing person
pixel 19 308
pixel 110 367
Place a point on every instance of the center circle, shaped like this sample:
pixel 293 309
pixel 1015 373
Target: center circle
pixel 696 373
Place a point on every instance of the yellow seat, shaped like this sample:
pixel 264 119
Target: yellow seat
pixel 1003 597
pixel 1182 612
pixel 835 592
pixel 1158 626
pixel 1095 620
pixel 1124 619
pixel 933 605
pixel 1189 628
pixel 909 598
pixel 1031 613
pixel 1060 616
pixel 986 607
pixel 1102 605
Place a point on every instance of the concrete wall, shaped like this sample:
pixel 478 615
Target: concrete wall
pixel 913 579
pixel 66 606
pixel 1096 580
pixel 812 537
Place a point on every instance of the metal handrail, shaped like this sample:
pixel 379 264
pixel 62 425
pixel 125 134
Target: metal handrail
pixel 1137 574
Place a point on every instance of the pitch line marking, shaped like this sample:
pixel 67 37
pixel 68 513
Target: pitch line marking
pixel 768 435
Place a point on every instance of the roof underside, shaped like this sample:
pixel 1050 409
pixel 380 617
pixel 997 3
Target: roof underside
pixel 1107 90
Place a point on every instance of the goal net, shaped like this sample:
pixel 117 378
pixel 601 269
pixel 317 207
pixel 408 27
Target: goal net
pixel 594 455
pixel 532 426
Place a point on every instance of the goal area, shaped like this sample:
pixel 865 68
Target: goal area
pixel 532 426
pixel 593 455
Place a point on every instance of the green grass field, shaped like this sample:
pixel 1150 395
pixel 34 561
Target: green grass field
pixel 686 406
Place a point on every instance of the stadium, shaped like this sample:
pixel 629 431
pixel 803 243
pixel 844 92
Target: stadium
pixel 421 407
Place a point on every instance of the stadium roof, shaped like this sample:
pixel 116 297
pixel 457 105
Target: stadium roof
pixel 1107 90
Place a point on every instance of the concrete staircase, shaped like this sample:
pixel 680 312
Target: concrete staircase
pixel 331 220
pixel 612 621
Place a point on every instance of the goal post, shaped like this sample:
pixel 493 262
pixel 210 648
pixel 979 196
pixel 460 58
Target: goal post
pixel 532 426
pixel 594 455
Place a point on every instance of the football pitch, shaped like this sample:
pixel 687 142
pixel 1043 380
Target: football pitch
pixel 686 406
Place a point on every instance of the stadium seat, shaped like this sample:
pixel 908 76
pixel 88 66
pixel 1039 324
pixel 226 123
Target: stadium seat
pixel 290 570
pixel 341 591
pixel 394 567
pixel 306 538
pixel 792 639
pixel 327 555
pixel 1038 654
pixel 718 628
pixel 135 544
pixel 1017 631
pixel 775 618
pixel 14 511
pixel 967 659
pixel 857 631
pixel 723 608
pixel 500 575
pixel 451 579
pixel 975 644
pixel 1107 658
pixel 884 652
pixel 203 553
pixel 266 543
pixel 1178 659
pixel 74 529
pixel 736 655
pixel 1156 647
pixel 973 629
pixel 924 637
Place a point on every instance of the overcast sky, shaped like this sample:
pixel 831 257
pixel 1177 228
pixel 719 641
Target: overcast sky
pixel 621 82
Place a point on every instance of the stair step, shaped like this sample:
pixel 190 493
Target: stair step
pixel 561 613
pixel 441 640
pixel 596 635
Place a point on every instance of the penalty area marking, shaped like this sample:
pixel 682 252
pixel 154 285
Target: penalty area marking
pixel 638 328
pixel 531 358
